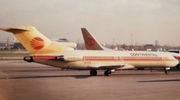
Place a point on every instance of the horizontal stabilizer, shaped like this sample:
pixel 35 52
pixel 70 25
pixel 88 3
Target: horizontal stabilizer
pixel 15 29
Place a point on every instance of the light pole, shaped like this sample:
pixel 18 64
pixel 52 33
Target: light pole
pixel 131 46
pixel 131 40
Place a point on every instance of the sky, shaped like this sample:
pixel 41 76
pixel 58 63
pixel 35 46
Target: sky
pixel 110 21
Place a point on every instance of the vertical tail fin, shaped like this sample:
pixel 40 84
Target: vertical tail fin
pixel 32 40
pixel 90 42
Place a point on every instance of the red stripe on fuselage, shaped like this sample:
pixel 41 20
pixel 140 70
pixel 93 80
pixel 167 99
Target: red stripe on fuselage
pixel 111 58
pixel 43 57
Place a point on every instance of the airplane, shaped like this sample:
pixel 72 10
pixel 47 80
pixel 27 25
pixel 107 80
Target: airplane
pixel 60 40
pixel 92 44
pixel 90 41
pixel 65 41
pixel 42 50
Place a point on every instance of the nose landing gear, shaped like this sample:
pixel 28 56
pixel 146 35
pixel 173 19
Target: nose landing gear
pixel 166 70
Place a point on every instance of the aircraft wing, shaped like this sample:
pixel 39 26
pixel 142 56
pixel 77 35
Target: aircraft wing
pixel 117 65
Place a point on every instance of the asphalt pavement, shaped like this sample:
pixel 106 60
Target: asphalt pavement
pixel 20 80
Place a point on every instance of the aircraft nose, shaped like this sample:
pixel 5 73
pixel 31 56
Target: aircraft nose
pixel 176 62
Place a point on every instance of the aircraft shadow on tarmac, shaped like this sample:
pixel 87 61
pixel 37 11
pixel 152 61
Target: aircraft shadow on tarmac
pixel 166 80
pixel 38 70
pixel 83 77
pixel 48 76
pixel 10 71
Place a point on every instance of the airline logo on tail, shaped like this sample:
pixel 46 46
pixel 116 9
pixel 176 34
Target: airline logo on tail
pixel 90 41
pixel 37 43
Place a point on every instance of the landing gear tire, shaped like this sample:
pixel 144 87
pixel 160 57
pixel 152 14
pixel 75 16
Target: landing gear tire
pixel 93 72
pixel 178 66
pixel 107 73
pixel 151 69
pixel 166 71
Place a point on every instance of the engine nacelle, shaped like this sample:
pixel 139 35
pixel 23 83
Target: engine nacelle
pixel 69 58
pixel 168 68
pixel 113 70
pixel 28 58
pixel 61 58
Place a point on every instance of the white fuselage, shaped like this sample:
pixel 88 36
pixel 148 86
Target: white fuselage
pixel 81 59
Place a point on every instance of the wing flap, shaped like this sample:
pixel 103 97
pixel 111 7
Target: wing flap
pixel 127 66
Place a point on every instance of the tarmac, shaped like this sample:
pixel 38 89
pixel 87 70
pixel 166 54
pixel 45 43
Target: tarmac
pixel 21 80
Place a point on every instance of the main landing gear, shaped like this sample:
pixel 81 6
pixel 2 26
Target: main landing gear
pixel 106 73
pixel 93 72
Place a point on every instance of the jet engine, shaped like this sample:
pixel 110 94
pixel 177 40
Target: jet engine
pixel 28 58
pixel 113 70
pixel 168 68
